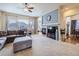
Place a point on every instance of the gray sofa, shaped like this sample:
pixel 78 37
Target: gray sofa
pixel 2 41
pixel 21 43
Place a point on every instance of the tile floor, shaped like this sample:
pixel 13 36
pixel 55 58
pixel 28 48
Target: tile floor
pixel 44 46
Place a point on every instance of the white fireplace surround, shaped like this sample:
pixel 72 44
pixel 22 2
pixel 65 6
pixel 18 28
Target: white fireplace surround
pixel 52 24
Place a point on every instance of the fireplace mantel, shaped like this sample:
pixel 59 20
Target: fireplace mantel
pixel 51 24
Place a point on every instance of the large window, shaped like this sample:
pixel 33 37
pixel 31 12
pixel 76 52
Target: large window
pixel 23 24
pixel 20 23
pixel 11 23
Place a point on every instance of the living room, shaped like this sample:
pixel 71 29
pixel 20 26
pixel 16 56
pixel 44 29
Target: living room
pixel 38 29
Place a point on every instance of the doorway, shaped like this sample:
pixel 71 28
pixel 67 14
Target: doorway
pixel 68 26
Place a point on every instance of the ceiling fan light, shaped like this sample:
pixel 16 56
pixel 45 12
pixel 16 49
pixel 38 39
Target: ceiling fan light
pixel 25 9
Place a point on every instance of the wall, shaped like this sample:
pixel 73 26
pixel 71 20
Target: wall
pixel 75 17
pixel 54 17
pixel 73 13
pixel 2 21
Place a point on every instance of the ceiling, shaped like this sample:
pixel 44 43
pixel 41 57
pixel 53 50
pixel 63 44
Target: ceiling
pixel 39 8
pixel 70 6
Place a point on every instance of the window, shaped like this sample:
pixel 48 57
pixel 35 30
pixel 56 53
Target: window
pixel 23 24
pixel 12 25
pixel 31 24
pixel 20 23
pixel 77 25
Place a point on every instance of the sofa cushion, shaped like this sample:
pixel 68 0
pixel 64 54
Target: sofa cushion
pixel 3 33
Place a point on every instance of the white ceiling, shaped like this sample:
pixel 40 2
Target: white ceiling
pixel 39 8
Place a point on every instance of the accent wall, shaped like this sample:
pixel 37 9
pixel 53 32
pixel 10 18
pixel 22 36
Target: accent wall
pixel 54 17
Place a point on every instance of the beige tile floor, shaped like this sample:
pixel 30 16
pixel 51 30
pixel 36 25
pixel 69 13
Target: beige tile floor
pixel 43 46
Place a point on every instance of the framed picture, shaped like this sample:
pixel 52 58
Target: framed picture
pixel 49 18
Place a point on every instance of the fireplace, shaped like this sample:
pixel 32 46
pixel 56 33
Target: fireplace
pixel 52 32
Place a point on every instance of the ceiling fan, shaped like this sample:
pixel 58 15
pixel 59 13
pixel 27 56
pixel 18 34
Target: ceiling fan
pixel 28 7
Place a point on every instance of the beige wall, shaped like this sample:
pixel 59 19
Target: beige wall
pixel 75 17
pixel 2 21
pixel 61 18
pixel 70 12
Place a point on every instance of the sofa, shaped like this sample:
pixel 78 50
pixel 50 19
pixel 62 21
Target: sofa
pixel 3 33
pixel 2 42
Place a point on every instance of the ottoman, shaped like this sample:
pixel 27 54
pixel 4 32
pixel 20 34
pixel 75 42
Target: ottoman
pixel 21 43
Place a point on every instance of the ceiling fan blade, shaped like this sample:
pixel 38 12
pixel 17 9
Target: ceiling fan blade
pixel 30 10
pixel 30 7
